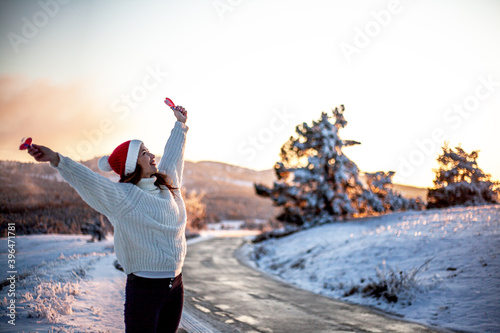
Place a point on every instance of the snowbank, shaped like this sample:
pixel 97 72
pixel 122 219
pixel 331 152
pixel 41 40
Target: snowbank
pixel 457 252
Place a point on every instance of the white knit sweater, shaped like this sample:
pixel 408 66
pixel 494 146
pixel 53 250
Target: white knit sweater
pixel 149 222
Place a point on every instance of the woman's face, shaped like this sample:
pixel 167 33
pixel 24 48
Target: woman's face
pixel 147 161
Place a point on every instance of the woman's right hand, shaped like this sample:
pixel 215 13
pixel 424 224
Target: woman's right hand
pixel 43 154
pixel 180 113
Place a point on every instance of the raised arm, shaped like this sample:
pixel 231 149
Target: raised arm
pixel 99 192
pixel 172 161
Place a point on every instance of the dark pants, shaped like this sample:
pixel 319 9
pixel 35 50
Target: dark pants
pixel 151 306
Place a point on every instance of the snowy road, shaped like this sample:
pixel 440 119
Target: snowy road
pixel 231 297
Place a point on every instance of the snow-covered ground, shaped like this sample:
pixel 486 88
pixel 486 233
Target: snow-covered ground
pixel 70 285
pixel 67 284
pixel 449 260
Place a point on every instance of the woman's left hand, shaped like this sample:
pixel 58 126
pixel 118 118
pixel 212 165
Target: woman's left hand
pixel 180 113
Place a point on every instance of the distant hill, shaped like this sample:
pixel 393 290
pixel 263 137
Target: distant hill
pixel 411 191
pixel 229 191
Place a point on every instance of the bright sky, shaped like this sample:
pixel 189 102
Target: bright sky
pixel 83 76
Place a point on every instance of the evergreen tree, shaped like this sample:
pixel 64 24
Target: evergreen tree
pixel 317 182
pixel 459 181
pixel 380 184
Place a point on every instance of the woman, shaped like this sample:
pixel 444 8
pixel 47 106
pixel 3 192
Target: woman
pixel 149 218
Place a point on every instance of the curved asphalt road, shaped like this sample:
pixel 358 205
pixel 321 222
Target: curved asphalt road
pixel 227 296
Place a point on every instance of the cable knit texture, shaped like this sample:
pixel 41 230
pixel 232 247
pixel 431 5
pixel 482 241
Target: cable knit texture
pixel 149 222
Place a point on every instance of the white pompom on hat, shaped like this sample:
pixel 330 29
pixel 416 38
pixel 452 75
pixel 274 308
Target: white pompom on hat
pixel 123 159
pixel 104 164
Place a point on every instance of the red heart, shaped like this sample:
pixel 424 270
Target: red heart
pixel 25 143
pixel 169 102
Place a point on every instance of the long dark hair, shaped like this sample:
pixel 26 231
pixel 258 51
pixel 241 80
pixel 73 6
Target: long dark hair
pixel 136 176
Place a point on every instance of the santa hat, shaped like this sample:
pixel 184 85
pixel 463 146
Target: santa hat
pixel 123 159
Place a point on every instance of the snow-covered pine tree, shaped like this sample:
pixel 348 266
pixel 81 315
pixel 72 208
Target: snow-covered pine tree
pixel 460 182
pixel 380 184
pixel 317 182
